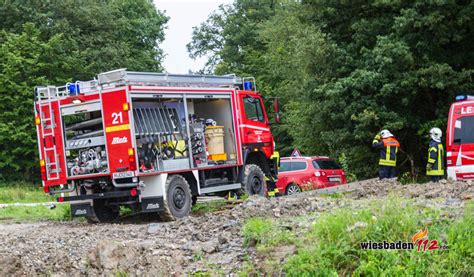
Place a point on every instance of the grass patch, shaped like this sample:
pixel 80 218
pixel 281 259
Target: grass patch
pixel 332 195
pixel 331 245
pixel 36 213
pixel 23 193
pixel 210 206
pixel 126 211
pixel 265 232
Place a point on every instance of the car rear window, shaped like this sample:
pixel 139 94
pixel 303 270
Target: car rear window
pixel 326 164
pixel 292 166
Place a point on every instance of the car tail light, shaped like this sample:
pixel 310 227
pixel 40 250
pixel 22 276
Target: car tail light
pixel 343 173
pixel 43 170
pixel 133 192
pixel 60 199
pixel 131 159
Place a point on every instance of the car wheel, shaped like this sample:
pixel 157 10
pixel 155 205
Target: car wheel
pixel 292 189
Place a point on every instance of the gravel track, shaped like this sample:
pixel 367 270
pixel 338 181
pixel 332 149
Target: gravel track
pixel 208 242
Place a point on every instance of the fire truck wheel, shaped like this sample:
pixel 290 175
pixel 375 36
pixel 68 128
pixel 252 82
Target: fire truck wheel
pixel 103 213
pixel 178 198
pixel 254 180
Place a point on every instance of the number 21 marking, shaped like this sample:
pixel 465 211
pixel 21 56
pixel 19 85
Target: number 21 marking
pixel 117 118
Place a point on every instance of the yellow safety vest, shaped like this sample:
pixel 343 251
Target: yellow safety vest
pixel 436 157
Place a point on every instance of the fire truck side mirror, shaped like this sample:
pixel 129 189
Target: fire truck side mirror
pixel 276 109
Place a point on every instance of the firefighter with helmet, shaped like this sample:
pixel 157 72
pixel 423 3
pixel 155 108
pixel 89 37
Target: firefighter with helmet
pixel 388 146
pixel 435 165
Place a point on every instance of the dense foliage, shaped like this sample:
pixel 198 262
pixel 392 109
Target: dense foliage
pixel 347 69
pixel 54 42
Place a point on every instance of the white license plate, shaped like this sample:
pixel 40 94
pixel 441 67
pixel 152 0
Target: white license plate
pixel 334 179
pixel 127 174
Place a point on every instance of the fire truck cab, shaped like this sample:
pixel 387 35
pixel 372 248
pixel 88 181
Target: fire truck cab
pixel 152 142
pixel 460 139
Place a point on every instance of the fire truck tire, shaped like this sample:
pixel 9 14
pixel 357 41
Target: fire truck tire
pixel 103 213
pixel 178 198
pixel 254 180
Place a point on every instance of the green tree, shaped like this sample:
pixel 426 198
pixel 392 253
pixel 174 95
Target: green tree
pixel 54 42
pixel 23 58
pixel 345 70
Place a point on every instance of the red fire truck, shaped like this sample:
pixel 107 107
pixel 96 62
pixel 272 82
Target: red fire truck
pixel 460 139
pixel 152 142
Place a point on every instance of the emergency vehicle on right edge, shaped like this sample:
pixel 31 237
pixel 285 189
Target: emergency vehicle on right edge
pixel 460 139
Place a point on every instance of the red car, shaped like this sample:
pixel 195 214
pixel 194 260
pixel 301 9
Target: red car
pixel 307 173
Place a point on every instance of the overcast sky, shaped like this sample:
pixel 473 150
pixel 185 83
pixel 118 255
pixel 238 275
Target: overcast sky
pixel 184 15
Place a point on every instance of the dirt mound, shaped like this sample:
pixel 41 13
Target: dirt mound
pixel 442 189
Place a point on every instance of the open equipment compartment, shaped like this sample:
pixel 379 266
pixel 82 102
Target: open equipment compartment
pixel 161 134
pixel 169 140
pixel 216 113
pixel 85 146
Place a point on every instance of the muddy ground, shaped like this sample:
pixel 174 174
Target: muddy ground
pixel 209 242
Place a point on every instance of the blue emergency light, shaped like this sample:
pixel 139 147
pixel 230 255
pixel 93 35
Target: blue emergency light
pixel 248 85
pixel 73 88
pixel 464 97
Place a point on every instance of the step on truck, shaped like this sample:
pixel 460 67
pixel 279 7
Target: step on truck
pixel 152 142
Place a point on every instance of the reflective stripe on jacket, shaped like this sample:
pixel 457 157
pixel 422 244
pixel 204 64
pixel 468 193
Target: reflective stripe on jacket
pixel 436 158
pixel 388 150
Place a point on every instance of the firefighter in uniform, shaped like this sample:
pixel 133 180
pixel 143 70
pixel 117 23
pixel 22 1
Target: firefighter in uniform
pixel 388 146
pixel 435 165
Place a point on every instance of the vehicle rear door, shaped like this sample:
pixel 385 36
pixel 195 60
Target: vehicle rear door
pixel 331 172
pixel 122 156
pixel 301 174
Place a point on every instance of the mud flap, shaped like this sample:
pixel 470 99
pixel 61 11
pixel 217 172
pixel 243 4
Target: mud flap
pixel 81 210
pixel 152 204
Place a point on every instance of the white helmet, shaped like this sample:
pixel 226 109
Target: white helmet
pixel 385 134
pixel 436 134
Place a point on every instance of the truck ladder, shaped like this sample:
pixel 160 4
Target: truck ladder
pixel 122 76
pixel 44 96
